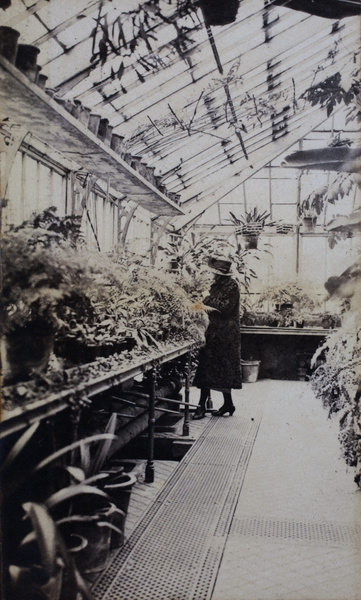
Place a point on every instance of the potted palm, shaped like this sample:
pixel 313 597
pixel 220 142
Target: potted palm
pixel 251 225
pixel 311 208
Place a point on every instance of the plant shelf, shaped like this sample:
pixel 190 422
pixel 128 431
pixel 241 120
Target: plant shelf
pixel 26 104
pixel 57 401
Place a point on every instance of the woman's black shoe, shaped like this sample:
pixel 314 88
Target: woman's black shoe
pixel 200 413
pixel 224 410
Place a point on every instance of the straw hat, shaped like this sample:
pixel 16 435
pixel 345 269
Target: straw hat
pixel 219 265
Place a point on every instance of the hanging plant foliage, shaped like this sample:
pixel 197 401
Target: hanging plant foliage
pixel 329 93
pixel 329 9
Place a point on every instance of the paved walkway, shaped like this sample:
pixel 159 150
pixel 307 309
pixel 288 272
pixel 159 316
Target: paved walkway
pixel 261 508
pixel 296 531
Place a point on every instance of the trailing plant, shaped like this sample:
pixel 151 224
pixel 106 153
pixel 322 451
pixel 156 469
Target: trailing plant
pixel 37 555
pixel 136 29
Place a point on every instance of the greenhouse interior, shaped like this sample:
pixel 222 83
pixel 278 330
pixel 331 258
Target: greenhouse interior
pixel 181 217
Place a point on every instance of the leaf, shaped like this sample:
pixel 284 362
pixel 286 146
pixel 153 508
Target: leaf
pixel 45 533
pixel 120 71
pixel 109 526
pixel 140 76
pixel 78 519
pixel 105 446
pixel 86 441
pixel 85 457
pixel 81 586
pixel 72 491
pixel 329 108
pixel 95 478
pixel 103 51
pixel 76 473
pixel 19 445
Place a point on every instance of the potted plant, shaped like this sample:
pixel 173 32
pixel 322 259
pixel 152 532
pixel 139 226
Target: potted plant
pixel 251 225
pixel 335 381
pixel 250 370
pixel 41 267
pixel 216 12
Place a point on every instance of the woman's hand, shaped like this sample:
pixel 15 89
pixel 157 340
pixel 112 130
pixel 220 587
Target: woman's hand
pixel 201 306
pixel 198 306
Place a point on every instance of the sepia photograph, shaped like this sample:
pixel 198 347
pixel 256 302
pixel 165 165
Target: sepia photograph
pixel 180 309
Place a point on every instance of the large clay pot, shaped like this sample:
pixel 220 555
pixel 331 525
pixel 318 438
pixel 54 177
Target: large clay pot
pixel 8 43
pixel 92 557
pixel 119 488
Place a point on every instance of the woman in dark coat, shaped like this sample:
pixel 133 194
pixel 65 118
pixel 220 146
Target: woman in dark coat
pixel 219 365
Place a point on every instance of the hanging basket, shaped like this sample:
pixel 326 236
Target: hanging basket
pixel 329 9
pixel 252 229
pixel 219 12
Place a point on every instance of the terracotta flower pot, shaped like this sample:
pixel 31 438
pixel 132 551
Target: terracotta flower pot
pixel 120 489
pixel 250 370
pixel 26 60
pixel 8 43
pixel 309 223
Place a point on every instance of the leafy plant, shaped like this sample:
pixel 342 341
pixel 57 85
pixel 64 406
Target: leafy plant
pixel 330 92
pixel 317 201
pixel 132 30
pixel 41 266
pixel 335 381
pixel 48 493
pixel 289 293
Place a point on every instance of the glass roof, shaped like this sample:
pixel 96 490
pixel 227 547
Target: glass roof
pixel 208 107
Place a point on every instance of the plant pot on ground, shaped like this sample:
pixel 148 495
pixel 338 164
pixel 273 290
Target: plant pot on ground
pixel 250 370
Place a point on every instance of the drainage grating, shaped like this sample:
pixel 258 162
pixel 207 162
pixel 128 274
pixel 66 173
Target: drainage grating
pixel 175 551
pixel 322 533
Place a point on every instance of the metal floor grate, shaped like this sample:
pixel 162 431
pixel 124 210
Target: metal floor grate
pixel 175 551
pixel 321 533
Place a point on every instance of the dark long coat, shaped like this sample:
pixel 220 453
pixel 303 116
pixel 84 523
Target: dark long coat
pixel 219 365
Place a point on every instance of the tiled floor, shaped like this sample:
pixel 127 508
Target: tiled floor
pixel 296 532
pixel 262 508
